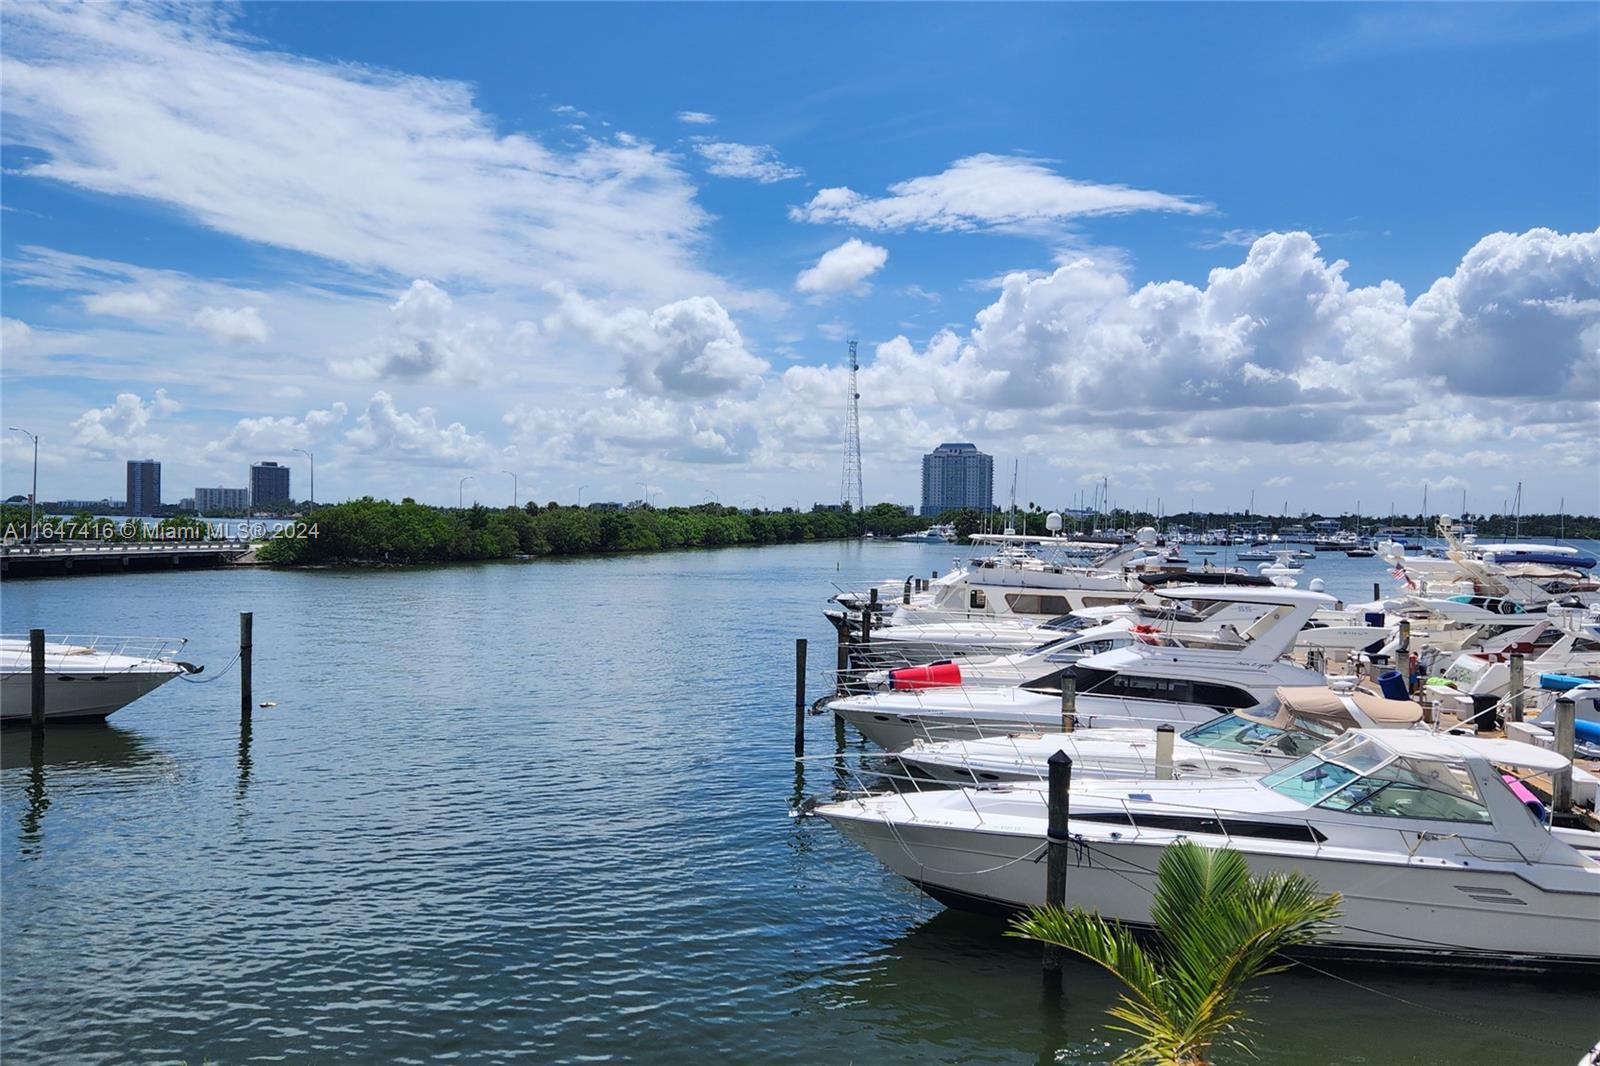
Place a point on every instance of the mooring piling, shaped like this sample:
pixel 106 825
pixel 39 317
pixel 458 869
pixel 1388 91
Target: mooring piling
pixel 1518 679
pixel 36 650
pixel 246 644
pixel 842 665
pixel 1164 738
pixel 799 697
pixel 1058 840
pixel 1069 701
pixel 1561 780
pixel 1377 590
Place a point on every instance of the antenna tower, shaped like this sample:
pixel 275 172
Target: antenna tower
pixel 850 482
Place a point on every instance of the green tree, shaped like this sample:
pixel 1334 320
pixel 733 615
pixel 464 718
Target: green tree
pixel 1219 929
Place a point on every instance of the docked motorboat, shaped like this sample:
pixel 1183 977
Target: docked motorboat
pixel 1436 858
pixel 1144 684
pixel 936 534
pixel 1240 744
pixel 86 678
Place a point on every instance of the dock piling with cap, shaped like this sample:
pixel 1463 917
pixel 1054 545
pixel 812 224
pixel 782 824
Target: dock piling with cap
pixel 1561 780
pixel 799 697
pixel 36 650
pixel 1058 840
pixel 246 645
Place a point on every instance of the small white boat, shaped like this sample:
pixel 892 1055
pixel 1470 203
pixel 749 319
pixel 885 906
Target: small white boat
pixel 86 678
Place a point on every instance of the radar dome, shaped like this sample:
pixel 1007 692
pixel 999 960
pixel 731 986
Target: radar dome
pixel 1146 535
pixel 1052 521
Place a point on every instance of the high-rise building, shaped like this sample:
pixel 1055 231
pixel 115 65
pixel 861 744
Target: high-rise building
pixel 221 500
pixel 269 485
pixel 955 476
pixel 144 486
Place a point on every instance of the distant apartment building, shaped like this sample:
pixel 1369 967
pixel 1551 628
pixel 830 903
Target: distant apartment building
pixel 144 486
pixel 957 476
pixel 207 500
pixel 269 486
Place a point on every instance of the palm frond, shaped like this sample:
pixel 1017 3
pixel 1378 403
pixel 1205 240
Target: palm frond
pixel 1220 929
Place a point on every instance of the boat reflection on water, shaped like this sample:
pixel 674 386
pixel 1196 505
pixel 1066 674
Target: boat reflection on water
pixel 954 986
pixel 90 758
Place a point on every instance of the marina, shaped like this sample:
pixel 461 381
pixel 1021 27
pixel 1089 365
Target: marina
pixel 495 855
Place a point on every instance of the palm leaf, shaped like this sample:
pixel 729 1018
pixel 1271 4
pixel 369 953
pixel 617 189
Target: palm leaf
pixel 1219 929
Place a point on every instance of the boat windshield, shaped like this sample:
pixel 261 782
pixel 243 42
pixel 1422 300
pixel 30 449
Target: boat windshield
pixel 1073 652
pixel 1357 776
pixel 1232 733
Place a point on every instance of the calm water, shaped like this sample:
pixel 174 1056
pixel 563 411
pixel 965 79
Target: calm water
pixel 540 812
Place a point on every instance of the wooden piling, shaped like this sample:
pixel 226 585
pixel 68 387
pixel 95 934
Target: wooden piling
pixel 36 650
pixel 905 591
pixel 842 666
pixel 1561 780
pixel 1518 680
pixel 1057 841
pixel 1069 700
pixel 799 697
pixel 1165 735
pixel 1377 590
pixel 866 617
pixel 246 644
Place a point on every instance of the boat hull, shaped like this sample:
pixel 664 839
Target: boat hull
pixel 75 698
pixel 1420 910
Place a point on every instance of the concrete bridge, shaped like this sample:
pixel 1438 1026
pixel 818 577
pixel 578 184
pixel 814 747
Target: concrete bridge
pixel 55 558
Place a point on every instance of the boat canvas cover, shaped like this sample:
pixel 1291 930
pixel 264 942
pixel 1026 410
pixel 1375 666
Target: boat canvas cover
pixel 1319 701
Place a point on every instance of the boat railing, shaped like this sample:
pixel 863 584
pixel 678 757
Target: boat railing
pixel 58 645
pixel 1481 845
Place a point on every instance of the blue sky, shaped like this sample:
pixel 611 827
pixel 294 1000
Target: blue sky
pixel 621 247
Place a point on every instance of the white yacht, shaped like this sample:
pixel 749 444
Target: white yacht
pixel 1042 660
pixel 1437 860
pixel 86 678
pixel 1241 744
pixel 1139 685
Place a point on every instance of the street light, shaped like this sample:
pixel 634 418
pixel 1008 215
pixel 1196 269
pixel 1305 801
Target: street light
pixel 313 459
pixel 33 497
pixel 513 489
pixel 580 494
pixel 461 492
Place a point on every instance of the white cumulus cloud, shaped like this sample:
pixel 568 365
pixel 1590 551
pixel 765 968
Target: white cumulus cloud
pixel 122 428
pixel 842 268
pixel 687 348
pixel 696 118
pixel 231 325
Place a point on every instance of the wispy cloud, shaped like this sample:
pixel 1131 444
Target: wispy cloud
pixel 1384 29
pixel 758 162
pixel 986 191
pixel 423 184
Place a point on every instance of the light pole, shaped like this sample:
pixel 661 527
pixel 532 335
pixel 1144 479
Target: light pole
pixel 313 460
pixel 461 492
pixel 513 488
pixel 33 497
pixel 645 488
pixel 580 494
